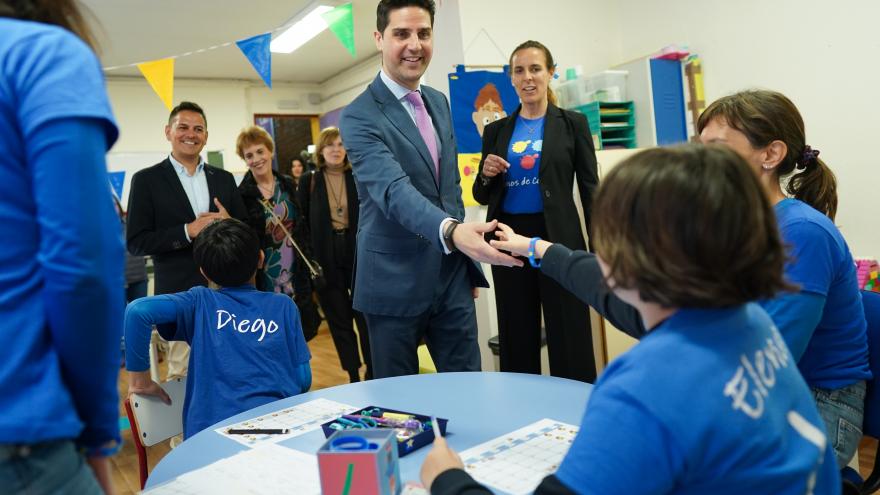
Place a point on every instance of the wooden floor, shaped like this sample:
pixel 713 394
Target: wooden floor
pixel 326 372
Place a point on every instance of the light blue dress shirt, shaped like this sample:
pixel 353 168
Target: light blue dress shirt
pixel 195 186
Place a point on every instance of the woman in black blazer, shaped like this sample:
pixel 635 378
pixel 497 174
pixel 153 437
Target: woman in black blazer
pixel 329 201
pixel 530 162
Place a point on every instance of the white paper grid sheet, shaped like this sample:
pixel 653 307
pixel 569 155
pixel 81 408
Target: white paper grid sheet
pixel 265 470
pixel 299 419
pixel 518 461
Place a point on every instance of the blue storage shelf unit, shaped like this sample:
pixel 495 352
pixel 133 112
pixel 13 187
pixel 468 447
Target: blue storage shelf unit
pixel 612 124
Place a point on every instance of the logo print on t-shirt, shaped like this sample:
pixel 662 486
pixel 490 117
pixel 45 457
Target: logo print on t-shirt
pixel 537 145
pixel 528 161
pixel 520 146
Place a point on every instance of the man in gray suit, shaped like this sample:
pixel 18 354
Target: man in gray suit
pixel 416 273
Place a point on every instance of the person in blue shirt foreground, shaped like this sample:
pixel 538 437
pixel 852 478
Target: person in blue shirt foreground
pixel 710 400
pixel 248 347
pixel 61 259
pixel 823 323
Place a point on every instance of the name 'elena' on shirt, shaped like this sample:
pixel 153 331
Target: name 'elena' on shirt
pixel 757 375
pixel 244 326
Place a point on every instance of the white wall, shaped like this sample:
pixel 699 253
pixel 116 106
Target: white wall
pixel 822 55
pixel 344 87
pixel 577 32
pixel 229 106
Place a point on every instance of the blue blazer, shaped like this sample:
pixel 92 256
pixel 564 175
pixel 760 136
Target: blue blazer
pixel 399 254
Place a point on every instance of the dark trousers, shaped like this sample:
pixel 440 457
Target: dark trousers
pixel 336 302
pixel 520 295
pixel 449 329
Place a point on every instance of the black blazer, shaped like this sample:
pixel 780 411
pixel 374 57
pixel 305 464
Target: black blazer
pixel 157 211
pixel 567 153
pixel 313 199
pixel 251 195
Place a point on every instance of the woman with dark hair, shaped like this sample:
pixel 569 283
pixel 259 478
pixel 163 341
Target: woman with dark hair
pixel 710 401
pixel 823 322
pixel 61 298
pixel 530 163
pixel 329 201
pixel 283 270
pixel 297 169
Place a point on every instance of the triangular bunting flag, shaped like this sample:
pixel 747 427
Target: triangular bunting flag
pixel 160 75
pixel 341 22
pixel 256 49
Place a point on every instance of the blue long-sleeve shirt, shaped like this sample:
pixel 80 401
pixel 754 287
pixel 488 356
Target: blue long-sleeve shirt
pixel 61 259
pixel 248 348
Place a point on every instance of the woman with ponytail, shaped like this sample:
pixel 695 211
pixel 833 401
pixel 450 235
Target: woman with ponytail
pixel 531 161
pixel 823 322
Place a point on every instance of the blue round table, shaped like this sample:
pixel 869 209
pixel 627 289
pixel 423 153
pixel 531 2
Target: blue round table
pixel 479 406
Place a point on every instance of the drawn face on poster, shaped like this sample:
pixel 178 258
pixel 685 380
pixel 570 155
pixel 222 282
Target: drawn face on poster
pixel 478 98
pixel 487 108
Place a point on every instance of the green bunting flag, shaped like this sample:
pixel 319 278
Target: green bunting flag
pixel 341 22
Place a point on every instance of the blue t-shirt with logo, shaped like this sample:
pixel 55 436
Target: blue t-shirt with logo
pixel 820 263
pixel 711 401
pixel 246 345
pixel 522 187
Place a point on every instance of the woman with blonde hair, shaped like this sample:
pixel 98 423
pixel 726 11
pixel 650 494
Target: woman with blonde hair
pixel 329 201
pixel 283 271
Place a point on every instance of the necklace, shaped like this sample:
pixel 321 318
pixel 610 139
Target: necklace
pixel 336 197
pixel 529 128
pixel 267 190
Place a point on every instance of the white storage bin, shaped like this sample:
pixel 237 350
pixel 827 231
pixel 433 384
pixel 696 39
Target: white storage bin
pixel 575 93
pixel 609 85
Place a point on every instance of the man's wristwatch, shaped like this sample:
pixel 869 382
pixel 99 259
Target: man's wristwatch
pixel 447 235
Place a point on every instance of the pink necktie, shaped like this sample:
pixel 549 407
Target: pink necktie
pixel 423 122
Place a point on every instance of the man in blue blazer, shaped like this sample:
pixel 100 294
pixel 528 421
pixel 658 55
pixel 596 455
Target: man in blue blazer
pixel 414 278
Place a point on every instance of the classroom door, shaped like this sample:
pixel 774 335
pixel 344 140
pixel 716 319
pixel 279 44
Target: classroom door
pixel 292 134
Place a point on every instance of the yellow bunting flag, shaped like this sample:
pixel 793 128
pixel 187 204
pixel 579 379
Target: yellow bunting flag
pixel 160 75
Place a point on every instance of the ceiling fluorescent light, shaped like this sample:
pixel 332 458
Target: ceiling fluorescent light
pixel 301 31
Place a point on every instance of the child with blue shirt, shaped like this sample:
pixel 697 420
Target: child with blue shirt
pixel 823 322
pixel 710 400
pixel 247 346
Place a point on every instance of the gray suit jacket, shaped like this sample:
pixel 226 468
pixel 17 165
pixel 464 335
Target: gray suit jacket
pixel 399 254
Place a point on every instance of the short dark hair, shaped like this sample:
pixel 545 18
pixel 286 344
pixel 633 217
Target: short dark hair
pixel 187 106
pixel 228 252
pixel 689 227
pixel 383 10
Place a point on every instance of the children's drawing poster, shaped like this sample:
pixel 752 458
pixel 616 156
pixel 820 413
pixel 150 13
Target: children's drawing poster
pixel 477 98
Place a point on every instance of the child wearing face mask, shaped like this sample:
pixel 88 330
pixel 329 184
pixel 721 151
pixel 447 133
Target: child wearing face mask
pixel 710 400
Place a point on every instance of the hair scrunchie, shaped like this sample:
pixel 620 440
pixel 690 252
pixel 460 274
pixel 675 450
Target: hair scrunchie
pixel 808 157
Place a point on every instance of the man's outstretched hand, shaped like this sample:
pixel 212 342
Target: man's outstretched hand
pixel 469 239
